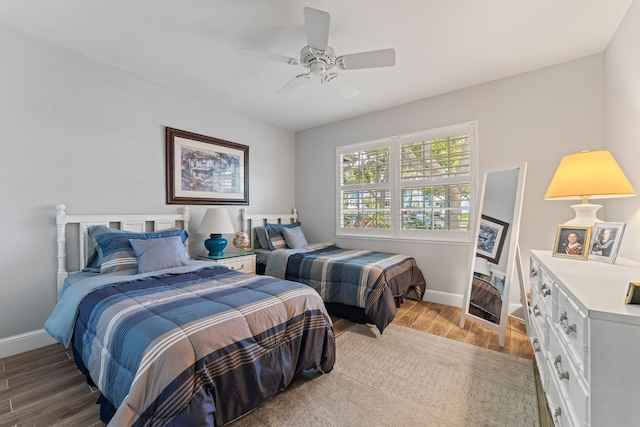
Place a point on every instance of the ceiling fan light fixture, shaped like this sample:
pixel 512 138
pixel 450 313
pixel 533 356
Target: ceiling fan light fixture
pixel 319 57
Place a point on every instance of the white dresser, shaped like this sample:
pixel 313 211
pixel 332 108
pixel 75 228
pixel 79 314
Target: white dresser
pixel 586 340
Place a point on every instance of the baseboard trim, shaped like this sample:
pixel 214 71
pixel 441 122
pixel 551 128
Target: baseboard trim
pixel 17 344
pixel 445 298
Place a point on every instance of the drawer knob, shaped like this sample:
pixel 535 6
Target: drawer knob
pixel 536 345
pixel 533 272
pixel 239 268
pixel 561 375
pixel 545 290
pixel 564 322
pixel 536 311
pixel 557 413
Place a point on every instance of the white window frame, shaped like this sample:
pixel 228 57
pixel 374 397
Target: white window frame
pixel 394 143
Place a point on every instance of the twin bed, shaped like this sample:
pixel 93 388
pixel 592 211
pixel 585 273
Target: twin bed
pixel 360 285
pixel 173 341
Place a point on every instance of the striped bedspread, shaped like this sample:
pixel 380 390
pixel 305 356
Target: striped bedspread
pixel 374 281
pixel 199 348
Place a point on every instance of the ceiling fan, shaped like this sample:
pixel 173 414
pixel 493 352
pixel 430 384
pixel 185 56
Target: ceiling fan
pixel 320 58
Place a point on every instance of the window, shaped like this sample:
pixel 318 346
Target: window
pixel 415 186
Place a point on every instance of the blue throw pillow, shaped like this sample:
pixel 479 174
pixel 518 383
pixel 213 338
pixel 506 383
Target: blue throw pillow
pixel 294 237
pixel 275 236
pixel 92 250
pixel 160 253
pixel 116 254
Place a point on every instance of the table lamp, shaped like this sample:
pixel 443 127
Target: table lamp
pixel 481 266
pixel 588 175
pixel 216 221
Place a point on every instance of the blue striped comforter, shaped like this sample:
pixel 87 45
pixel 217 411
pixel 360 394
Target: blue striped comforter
pixel 374 281
pixel 199 348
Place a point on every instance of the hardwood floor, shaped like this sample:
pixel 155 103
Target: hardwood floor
pixel 43 388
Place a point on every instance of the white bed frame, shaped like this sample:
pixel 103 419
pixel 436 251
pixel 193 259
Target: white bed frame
pixel 251 221
pixel 134 223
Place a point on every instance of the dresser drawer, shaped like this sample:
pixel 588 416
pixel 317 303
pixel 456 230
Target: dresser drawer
pixel 246 264
pixel 539 351
pixel 534 276
pixel 558 409
pixel 538 317
pixel 572 326
pixel 571 386
pixel 545 290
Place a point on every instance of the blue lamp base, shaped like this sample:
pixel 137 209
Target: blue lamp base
pixel 215 244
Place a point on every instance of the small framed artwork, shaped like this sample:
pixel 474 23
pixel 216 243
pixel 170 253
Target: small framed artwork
pixel 491 238
pixel 572 241
pixel 202 170
pixel 606 240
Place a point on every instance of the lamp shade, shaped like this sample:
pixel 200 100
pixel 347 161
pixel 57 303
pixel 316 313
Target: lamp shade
pixel 589 175
pixel 216 222
pixel 482 266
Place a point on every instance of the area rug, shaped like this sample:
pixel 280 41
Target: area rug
pixel 406 378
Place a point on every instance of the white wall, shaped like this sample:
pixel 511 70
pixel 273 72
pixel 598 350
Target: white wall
pixel 622 123
pixel 536 117
pixel 84 133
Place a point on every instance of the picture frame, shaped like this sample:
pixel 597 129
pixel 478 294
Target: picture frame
pixel 605 241
pixel 491 236
pixel 572 241
pixel 201 170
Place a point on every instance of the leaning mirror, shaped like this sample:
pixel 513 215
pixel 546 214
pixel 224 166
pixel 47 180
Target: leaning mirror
pixel 494 251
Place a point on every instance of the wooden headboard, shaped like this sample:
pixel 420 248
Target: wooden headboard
pixel 250 221
pixel 127 222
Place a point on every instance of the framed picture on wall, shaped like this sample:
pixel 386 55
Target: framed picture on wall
pixel 605 243
pixel 491 238
pixel 572 241
pixel 202 170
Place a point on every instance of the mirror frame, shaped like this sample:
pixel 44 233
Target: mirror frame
pixel 513 260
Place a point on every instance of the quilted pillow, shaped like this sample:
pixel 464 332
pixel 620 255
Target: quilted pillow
pixel 116 254
pixel 276 238
pixel 160 253
pixel 294 237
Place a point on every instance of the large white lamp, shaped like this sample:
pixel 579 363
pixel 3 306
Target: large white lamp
pixel 588 175
pixel 216 222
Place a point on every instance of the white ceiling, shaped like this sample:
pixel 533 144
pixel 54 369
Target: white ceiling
pixel 441 45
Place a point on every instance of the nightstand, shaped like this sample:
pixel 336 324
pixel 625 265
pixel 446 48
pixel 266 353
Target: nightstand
pixel 237 260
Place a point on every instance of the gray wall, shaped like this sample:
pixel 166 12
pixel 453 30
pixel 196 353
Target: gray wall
pixel 536 117
pixel 89 135
pixel 622 123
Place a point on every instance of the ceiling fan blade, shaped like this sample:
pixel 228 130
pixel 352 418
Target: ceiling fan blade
pixel 293 84
pixel 270 56
pixel 317 25
pixel 371 59
pixel 341 85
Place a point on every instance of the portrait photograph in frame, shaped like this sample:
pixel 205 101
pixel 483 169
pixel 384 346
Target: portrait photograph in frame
pixel 491 235
pixel 572 241
pixel 202 170
pixel 605 241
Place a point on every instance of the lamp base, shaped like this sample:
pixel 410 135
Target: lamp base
pixel 585 215
pixel 215 244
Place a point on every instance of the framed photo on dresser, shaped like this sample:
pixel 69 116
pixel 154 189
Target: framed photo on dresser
pixel 606 240
pixel 572 241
